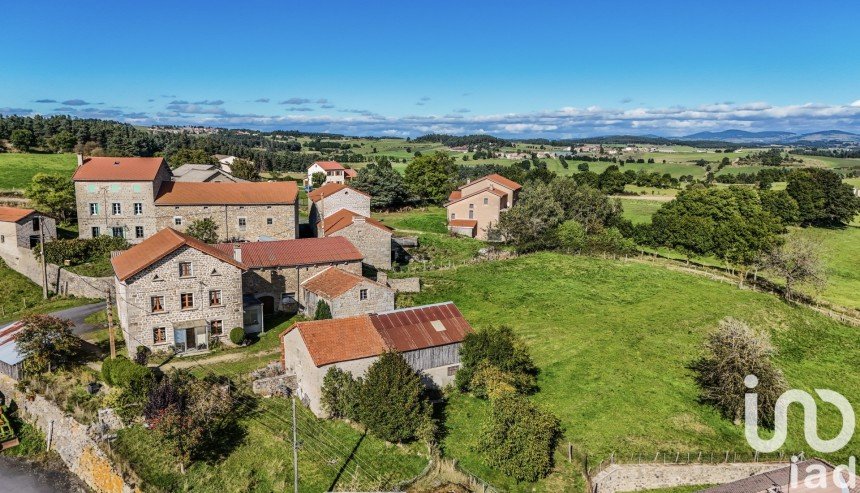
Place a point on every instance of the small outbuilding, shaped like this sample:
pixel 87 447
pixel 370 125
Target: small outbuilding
pixel 11 359
pixel 21 229
pixel 347 294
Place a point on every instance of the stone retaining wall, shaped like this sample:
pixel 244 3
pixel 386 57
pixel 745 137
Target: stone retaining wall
pixel 72 441
pixel 635 477
pixel 405 285
pixel 60 281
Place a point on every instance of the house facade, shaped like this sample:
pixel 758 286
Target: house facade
pixel 21 229
pixel 347 294
pixel 174 291
pixel 476 206
pixel 331 198
pixel 277 269
pixel 429 338
pixel 371 237
pixel 334 172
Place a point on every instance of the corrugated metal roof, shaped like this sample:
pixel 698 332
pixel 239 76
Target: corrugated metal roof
pixel 8 348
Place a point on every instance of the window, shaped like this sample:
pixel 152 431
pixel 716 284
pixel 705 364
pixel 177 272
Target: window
pixel 269 221
pixel 157 303
pixel 185 269
pixel 138 231
pixel 92 188
pixel 2 238
pixel 453 216
pixel 216 327
pixel 116 208
pixel 136 188
pixel 242 223
pixel 177 220
pixel 138 208
pixel 36 224
pixel 96 231
pixel 452 370
pixel 362 294
pixel 486 200
pixel 186 301
pixel 118 232
pixel 471 206
pixel 215 297
pixel 94 209
pixel 159 335
pixel 471 214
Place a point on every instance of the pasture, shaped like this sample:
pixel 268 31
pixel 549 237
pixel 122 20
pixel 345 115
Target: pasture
pixel 16 170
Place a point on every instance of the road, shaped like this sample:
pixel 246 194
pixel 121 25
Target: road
pixel 77 316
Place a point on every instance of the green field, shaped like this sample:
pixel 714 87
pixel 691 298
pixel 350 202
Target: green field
pixel 613 341
pixel 841 253
pixel 19 296
pixel 16 170
pixel 640 211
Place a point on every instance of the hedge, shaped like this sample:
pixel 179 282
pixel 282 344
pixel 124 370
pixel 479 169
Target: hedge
pixel 237 335
pixel 121 372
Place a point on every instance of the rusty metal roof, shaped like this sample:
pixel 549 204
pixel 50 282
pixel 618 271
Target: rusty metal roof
pixel 409 329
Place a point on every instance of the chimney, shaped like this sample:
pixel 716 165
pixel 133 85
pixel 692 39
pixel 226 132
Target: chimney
pixel 382 277
pixel 358 219
pixel 80 159
pixel 237 252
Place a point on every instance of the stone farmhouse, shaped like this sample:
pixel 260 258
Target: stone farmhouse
pixel 371 236
pixel 346 293
pixel 331 198
pixel 133 197
pixel 174 290
pixel 428 337
pixel 203 173
pixel 21 229
pixel 334 172
pixel 276 270
pixel 474 207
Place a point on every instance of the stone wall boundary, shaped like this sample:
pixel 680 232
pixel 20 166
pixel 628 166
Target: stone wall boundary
pixel 60 280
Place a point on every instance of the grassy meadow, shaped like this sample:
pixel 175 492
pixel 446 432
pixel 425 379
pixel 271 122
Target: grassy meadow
pixel 16 170
pixel 19 297
pixel 639 211
pixel 613 341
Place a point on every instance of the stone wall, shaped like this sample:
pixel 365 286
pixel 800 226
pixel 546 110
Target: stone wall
pixel 60 281
pixel 274 282
pixel 72 441
pixel 405 285
pixel 373 242
pixel 635 477
pixel 274 221
pixel 127 194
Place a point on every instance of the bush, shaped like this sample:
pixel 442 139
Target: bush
pixel 519 438
pixel 392 406
pixel 340 394
pixel 142 355
pixel 323 311
pixel 122 372
pixel 237 335
pixel 498 347
pixel 81 250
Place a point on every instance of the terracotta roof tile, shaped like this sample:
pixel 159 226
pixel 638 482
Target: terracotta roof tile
pixel 344 218
pixel 495 178
pixel 342 339
pixel 160 245
pixel 287 253
pixel 333 282
pixel 459 195
pixel 226 193
pixel 119 169
pixel 329 189
pixel 463 223
pixel 350 172
pixel 13 214
pixel 329 165
pixel 455 195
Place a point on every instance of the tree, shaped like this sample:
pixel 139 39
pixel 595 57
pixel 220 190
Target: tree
pixel 244 169
pixel 611 181
pixel 529 225
pixel 383 183
pixel 392 404
pixel 432 177
pixel 53 194
pixel 185 155
pixel 822 197
pixel 62 141
pixel 323 311
pixel 586 205
pixel 780 204
pixel 23 139
pixel 47 342
pixel 205 230
pixel 318 179
pixel 498 347
pixel 519 438
pixel 798 262
pixel 340 394
pixel 582 167
pixel 732 352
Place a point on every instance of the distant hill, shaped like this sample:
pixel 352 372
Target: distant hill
pixel 741 136
pixel 827 136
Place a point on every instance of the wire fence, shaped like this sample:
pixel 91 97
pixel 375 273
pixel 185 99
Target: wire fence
pixel 594 464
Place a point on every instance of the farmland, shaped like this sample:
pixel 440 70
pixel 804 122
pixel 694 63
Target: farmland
pixel 613 340
pixel 16 170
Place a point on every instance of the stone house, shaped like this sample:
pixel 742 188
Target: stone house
pixel 243 211
pixel 371 237
pixel 331 198
pixel 474 207
pixel 21 229
pixel 347 294
pixel 175 291
pixel 428 337
pixel 204 173
pixel 277 269
pixel 115 195
pixel 334 172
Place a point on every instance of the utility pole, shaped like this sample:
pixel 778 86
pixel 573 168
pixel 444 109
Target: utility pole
pixel 111 335
pixel 42 252
pixel 295 452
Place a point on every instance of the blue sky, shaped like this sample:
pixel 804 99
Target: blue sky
pixel 554 69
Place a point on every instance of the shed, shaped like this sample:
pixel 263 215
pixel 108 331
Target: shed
pixel 11 359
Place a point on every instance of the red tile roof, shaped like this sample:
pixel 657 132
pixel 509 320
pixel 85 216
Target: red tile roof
pixel 458 196
pixel 13 214
pixel 227 193
pixel 344 218
pixel 501 180
pixel 119 169
pixel 333 282
pixel 329 165
pixel 288 253
pixel 350 173
pixel 455 195
pixel 329 189
pixel 160 245
pixel 366 336
pixel 463 223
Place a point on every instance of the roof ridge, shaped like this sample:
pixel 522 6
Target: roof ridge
pixel 396 310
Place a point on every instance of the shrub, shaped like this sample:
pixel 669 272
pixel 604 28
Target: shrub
pixel 122 372
pixel 392 406
pixel 498 347
pixel 341 394
pixel 237 335
pixel 141 357
pixel 519 438
pixel 323 311
pixel 81 250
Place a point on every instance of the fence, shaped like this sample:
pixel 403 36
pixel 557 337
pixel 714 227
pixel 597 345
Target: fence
pixel 595 464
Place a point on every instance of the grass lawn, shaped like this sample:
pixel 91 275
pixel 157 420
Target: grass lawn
pixel 841 253
pixel 425 219
pixel 640 211
pixel 97 268
pixel 19 296
pixel 613 341
pixel 16 170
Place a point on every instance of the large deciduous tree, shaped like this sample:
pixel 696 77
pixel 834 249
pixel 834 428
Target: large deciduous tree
pixel 205 230
pixel 530 225
pixel 432 177
pixel 497 347
pixel 47 342
pixel 383 183
pixel 822 197
pixel 23 139
pixel 53 194
pixel 244 169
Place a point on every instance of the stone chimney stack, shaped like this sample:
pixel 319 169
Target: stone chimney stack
pixel 237 252
pixel 382 277
pixel 80 159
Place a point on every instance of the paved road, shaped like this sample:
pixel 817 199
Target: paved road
pixel 78 314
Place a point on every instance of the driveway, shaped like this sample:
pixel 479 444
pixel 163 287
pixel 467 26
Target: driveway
pixel 77 316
